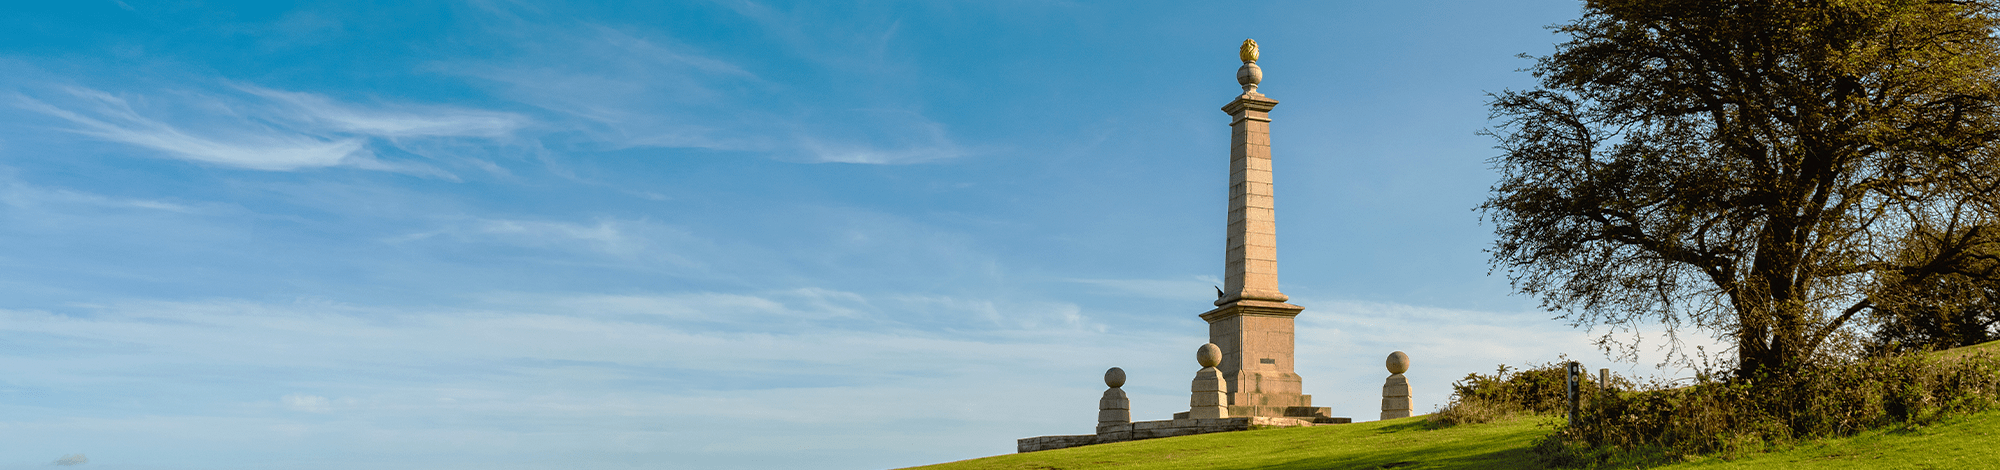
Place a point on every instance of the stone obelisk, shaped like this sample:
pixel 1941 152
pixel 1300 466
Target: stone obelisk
pixel 1251 322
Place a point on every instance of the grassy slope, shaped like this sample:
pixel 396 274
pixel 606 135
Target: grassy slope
pixel 1990 347
pixel 1362 445
pixel 1972 442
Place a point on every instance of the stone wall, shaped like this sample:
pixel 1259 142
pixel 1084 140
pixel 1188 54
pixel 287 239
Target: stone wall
pixel 1156 429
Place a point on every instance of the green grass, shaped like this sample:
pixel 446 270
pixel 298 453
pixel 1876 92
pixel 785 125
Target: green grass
pixel 1969 442
pixel 1965 442
pixel 1399 443
pixel 1990 347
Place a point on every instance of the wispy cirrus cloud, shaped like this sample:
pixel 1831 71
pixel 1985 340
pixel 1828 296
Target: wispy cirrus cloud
pixel 593 372
pixel 880 137
pixel 23 196
pixel 623 87
pixel 308 403
pixel 621 240
pixel 258 128
pixel 403 120
pixel 1342 343
pixel 801 363
pixel 1188 288
pixel 765 310
pixel 98 114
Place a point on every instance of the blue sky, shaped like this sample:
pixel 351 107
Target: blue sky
pixel 727 234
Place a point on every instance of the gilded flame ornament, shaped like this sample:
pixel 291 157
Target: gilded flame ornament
pixel 1250 74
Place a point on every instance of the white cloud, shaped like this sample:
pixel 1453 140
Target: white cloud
pixel 72 459
pixel 626 89
pixel 1192 287
pixel 1342 345
pixel 308 403
pixel 403 121
pixel 766 310
pixel 14 193
pixel 264 129
pixel 836 370
pixel 1004 314
pixel 604 233
pixel 561 366
pixel 879 137
pixel 607 240
pixel 629 91
pixel 255 147
pixel 653 331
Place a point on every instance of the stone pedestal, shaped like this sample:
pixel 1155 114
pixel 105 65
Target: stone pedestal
pixel 1210 399
pixel 1256 341
pixel 1114 409
pixel 1396 392
pixel 1114 416
pixel 1396 397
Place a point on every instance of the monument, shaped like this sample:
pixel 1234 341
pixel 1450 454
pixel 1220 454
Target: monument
pixel 1251 321
pixel 1246 379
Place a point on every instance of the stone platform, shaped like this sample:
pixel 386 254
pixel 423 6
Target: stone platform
pixel 1166 428
pixel 1300 412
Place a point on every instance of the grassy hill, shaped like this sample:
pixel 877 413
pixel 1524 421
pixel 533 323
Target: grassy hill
pixel 1972 442
pixel 1968 442
pixel 1399 443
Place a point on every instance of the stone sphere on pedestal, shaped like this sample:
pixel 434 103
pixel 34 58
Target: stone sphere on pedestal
pixel 1114 378
pixel 1209 355
pixel 1398 362
pixel 1249 75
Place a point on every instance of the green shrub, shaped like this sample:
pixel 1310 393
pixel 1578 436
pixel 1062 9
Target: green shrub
pixel 1470 412
pixel 1486 398
pixel 1731 418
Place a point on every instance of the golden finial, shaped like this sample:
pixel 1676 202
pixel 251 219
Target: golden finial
pixel 1250 74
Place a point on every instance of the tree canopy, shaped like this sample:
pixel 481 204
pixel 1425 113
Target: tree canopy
pixel 1771 171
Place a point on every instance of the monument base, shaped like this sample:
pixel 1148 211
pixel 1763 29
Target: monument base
pixel 1301 412
pixel 1108 433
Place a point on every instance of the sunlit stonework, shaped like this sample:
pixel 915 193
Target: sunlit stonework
pixel 1246 378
